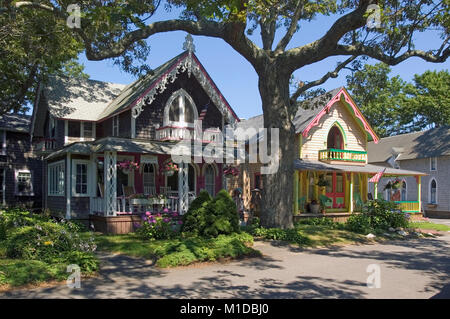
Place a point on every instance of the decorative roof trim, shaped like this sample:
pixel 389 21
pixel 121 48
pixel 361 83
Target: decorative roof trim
pixel 343 92
pixel 190 63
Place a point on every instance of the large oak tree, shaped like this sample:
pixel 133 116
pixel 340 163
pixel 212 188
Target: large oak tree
pixel 114 29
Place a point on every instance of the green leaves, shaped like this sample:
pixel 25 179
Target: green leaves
pixel 393 106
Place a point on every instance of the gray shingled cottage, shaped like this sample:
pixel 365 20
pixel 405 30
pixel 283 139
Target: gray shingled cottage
pixel 20 168
pixel 427 152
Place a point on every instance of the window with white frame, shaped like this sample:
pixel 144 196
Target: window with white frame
pixel 80 173
pixel 115 126
pixel 149 178
pixel 56 178
pixel 210 180
pixel 404 191
pixel 433 192
pixel 24 183
pixel 180 110
pixel 2 142
pixel 52 127
pixel 88 129
pixel 433 163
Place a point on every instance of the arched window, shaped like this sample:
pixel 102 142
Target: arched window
pixel 403 196
pixel 335 139
pixel 180 110
pixel 210 180
pixel 149 178
pixel 172 181
pixel 433 192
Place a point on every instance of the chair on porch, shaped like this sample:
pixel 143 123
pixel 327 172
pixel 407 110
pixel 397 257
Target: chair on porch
pixel 301 204
pixel 358 201
pixel 325 201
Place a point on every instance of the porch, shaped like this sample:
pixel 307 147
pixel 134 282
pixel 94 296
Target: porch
pixel 124 178
pixel 336 190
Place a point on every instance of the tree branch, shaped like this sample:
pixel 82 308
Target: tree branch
pixel 292 28
pixel 378 54
pixel 322 80
pixel 323 47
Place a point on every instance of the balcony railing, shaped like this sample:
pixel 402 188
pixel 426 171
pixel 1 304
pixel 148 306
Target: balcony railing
pixel 408 206
pixel 45 145
pixel 173 133
pixel 331 155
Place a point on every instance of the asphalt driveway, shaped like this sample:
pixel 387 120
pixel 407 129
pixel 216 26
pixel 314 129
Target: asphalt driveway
pixel 408 269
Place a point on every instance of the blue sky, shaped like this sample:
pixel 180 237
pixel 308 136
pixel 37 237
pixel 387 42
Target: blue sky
pixel 235 77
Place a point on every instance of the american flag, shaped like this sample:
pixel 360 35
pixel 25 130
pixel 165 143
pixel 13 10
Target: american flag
pixel 203 112
pixel 377 177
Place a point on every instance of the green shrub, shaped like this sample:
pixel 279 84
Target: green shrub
pixel 322 221
pixel 203 249
pixel 377 215
pixel 359 223
pixel 289 235
pixel 195 215
pixel 210 218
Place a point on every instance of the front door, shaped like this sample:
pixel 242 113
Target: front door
pixel 336 189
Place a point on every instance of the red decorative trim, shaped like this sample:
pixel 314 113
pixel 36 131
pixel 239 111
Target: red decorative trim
pixel 356 110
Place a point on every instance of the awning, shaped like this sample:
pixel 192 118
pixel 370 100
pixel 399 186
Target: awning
pixel 310 165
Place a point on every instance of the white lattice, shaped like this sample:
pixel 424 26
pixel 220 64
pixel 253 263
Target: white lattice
pixel 110 183
pixel 183 187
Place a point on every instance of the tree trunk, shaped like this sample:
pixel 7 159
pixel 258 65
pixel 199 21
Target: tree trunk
pixel 277 193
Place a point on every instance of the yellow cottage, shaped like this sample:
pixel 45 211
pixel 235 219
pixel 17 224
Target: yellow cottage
pixel 332 171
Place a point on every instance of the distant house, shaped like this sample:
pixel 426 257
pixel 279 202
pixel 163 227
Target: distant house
pixel 427 152
pixel 20 168
pixel 333 167
pixel 86 129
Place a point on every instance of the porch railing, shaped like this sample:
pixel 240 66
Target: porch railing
pixel 408 206
pixel 332 154
pixel 45 145
pixel 149 190
pixel 97 206
pixel 174 133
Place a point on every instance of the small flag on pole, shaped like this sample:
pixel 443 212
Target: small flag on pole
pixel 377 177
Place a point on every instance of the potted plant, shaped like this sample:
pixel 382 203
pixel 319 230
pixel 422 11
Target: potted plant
pixel 322 182
pixel 128 166
pixel 315 207
pixel 169 168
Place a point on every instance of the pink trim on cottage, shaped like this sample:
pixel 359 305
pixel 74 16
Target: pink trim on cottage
pixel 356 110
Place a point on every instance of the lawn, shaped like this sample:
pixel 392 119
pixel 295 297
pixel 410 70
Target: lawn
pixel 428 225
pixel 180 251
pixel 323 235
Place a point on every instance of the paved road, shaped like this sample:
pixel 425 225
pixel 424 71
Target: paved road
pixel 413 269
pixel 443 221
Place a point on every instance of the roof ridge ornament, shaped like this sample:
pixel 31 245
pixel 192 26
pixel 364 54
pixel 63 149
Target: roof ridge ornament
pixel 188 44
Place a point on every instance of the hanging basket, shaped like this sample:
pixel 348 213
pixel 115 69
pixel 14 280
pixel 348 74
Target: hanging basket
pixel 169 173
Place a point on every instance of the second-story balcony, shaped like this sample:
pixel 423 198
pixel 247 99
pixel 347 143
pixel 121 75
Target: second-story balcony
pixel 174 133
pixel 348 157
pixel 45 145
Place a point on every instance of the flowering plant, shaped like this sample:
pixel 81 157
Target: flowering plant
pixel 159 225
pixel 229 170
pixel 169 167
pixel 128 165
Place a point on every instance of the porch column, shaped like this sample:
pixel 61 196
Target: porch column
pixel 92 181
pixel 183 188
pixel 351 192
pixel 68 186
pixel 295 192
pixel 375 187
pixel 419 192
pixel 110 173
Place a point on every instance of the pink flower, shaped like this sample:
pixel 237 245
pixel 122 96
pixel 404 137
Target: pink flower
pixel 148 213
